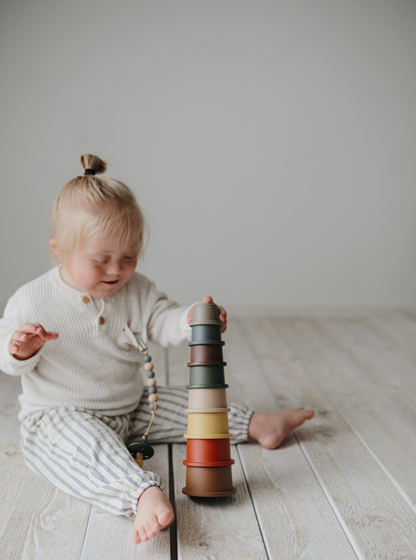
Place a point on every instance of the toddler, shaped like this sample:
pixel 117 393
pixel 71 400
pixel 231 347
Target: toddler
pixel 72 335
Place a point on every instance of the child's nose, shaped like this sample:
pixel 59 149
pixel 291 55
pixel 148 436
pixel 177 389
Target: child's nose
pixel 116 267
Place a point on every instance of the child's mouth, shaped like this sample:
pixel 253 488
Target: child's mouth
pixel 110 283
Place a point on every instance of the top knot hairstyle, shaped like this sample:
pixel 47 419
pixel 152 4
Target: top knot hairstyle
pixel 89 205
pixel 93 165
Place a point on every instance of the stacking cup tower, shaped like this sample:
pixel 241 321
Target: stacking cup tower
pixel 208 458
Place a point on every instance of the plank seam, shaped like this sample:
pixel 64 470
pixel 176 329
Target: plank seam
pixel 308 459
pixel 401 491
pixel 363 378
pixel 173 528
pixel 337 513
pixel 384 331
pixel 252 501
pixel 85 534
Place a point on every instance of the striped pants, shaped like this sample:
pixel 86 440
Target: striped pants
pixel 83 452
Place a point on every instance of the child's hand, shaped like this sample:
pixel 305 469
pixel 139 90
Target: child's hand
pixel 223 313
pixel 28 339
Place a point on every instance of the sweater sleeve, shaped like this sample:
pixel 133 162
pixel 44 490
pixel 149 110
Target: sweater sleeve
pixel 166 322
pixel 11 322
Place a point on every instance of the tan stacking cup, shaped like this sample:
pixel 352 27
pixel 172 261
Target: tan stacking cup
pixel 205 314
pixel 207 398
pixel 205 424
pixel 209 482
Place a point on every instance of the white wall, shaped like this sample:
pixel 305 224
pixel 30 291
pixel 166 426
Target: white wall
pixel 271 143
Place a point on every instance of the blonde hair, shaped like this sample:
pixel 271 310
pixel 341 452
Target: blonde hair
pixel 90 205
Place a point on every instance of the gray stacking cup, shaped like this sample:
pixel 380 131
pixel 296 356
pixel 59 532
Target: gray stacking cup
pixel 206 334
pixel 205 314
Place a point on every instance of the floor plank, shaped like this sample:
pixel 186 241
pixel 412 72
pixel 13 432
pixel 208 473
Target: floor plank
pixel 295 517
pixel 293 511
pixel 108 536
pixel 387 372
pixel 376 519
pixel 400 328
pixel 13 470
pixel 341 487
pixel 217 528
pixel 391 442
pixel 44 524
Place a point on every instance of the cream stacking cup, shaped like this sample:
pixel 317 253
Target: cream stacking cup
pixel 208 462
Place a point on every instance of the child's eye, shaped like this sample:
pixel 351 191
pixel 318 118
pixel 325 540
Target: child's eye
pixel 99 263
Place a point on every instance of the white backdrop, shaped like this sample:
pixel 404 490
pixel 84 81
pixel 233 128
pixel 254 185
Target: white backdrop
pixel 271 143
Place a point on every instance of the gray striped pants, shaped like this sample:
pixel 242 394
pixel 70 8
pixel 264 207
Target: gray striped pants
pixel 83 452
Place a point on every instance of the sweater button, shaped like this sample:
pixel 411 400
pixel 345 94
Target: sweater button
pixel 101 320
pixel 86 299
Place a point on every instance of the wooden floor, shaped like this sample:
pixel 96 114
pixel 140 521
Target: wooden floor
pixel 342 487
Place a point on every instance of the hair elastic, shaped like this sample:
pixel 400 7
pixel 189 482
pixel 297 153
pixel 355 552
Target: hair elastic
pixel 89 172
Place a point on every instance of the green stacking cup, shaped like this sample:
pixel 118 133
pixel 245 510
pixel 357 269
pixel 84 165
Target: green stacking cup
pixel 208 377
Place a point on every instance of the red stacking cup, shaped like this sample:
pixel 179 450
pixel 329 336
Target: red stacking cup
pixel 208 453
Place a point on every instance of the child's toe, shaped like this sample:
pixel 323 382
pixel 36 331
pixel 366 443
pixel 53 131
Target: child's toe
pixel 165 518
pixel 136 537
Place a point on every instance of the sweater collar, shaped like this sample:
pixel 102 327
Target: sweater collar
pixel 63 286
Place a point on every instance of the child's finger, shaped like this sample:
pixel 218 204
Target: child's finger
pixel 207 299
pixel 13 348
pixel 223 313
pixel 30 328
pixel 52 335
pixel 18 335
pixel 40 331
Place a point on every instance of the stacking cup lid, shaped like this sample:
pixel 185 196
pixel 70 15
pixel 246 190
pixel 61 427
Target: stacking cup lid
pixel 205 314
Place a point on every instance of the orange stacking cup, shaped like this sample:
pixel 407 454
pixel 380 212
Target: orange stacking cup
pixel 208 453
pixel 209 482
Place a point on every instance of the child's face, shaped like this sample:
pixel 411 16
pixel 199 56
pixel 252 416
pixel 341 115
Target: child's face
pixel 100 267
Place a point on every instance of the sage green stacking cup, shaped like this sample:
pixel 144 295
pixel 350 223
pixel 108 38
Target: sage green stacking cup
pixel 206 377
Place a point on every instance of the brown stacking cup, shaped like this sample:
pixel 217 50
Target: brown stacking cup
pixel 206 355
pixel 205 314
pixel 209 482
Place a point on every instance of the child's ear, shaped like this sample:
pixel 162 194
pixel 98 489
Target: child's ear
pixel 55 248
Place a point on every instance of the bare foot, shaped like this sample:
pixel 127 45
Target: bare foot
pixel 154 513
pixel 271 429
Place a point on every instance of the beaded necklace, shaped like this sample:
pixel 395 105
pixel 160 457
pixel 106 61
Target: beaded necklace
pixel 142 450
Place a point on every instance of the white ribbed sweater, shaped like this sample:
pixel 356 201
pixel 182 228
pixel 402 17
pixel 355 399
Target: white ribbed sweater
pixel 90 365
